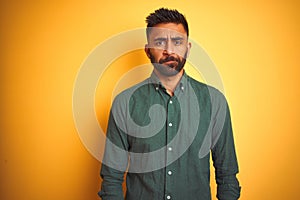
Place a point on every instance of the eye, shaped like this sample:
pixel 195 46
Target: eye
pixel 160 43
pixel 177 42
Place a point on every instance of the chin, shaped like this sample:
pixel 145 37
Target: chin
pixel 167 71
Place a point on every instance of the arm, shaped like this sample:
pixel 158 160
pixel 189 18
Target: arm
pixel 224 156
pixel 115 160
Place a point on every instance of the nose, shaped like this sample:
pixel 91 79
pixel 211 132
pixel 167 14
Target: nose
pixel 169 48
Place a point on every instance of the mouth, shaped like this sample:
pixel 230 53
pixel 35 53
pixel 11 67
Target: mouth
pixel 170 63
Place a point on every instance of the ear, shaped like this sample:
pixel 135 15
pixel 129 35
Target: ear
pixel 189 46
pixel 147 50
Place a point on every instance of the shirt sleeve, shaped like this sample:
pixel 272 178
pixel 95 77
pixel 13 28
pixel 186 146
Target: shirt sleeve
pixel 115 160
pixel 224 156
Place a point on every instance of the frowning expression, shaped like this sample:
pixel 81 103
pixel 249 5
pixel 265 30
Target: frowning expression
pixel 168 48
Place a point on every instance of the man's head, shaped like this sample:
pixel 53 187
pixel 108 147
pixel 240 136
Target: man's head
pixel 168 46
pixel 163 16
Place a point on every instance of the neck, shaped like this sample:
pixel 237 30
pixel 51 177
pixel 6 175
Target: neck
pixel 169 82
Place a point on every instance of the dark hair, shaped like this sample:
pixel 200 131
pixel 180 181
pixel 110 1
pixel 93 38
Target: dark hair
pixel 164 15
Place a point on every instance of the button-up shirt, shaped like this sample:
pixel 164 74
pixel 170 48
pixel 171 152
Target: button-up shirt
pixel 163 143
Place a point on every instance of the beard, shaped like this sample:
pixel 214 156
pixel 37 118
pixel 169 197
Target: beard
pixel 168 69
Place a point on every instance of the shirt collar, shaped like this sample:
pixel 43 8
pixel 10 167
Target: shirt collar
pixel 181 86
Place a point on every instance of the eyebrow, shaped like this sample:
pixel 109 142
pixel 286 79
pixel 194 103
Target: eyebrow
pixel 172 38
pixel 177 38
pixel 160 39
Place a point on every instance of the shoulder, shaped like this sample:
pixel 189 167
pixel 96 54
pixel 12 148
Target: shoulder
pixel 207 91
pixel 124 97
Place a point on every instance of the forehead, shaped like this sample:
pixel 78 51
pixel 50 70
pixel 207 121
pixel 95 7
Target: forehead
pixel 168 29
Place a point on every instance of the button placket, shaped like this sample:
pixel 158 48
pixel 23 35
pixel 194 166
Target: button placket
pixel 171 132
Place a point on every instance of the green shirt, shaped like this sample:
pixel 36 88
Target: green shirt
pixel 164 143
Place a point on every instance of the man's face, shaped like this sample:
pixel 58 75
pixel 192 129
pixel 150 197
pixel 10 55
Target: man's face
pixel 168 48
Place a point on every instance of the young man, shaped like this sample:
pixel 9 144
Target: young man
pixel 163 130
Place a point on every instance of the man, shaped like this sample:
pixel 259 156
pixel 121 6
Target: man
pixel 163 130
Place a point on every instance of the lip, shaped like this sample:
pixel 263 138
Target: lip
pixel 170 62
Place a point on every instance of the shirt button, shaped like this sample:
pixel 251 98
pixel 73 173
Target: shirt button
pixel 170 148
pixel 170 173
pixel 156 88
pixel 171 101
pixel 170 124
pixel 168 197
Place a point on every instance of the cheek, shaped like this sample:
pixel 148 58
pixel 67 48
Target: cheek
pixel 156 54
pixel 182 52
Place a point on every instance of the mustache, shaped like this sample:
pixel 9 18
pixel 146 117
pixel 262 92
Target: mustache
pixel 169 58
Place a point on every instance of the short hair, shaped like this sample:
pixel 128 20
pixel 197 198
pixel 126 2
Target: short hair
pixel 164 15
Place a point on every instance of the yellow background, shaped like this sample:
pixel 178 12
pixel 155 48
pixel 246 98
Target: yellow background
pixel 255 47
